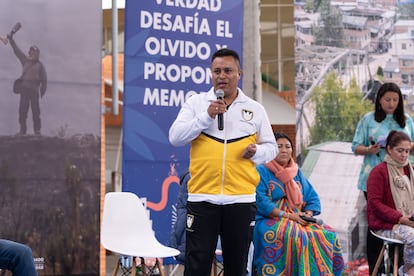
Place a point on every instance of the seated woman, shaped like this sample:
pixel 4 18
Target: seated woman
pixel 285 243
pixel 390 196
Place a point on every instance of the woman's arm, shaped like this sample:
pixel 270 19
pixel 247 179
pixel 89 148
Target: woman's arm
pixel 376 192
pixel 310 196
pixel 266 207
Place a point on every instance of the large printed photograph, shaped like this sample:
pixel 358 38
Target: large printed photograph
pixel 50 84
pixel 344 53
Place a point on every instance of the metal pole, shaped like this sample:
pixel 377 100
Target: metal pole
pixel 252 78
pixel 114 57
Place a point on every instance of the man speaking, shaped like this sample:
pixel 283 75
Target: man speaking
pixel 223 157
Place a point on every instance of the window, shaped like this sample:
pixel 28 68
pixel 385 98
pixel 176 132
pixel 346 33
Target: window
pixel 278 40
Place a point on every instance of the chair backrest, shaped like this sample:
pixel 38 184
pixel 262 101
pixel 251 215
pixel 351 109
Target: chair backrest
pixel 126 228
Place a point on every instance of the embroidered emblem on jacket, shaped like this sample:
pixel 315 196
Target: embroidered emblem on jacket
pixel 190 220
pixel 247 114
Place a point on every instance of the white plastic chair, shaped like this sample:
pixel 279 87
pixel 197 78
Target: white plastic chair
pixel 126 230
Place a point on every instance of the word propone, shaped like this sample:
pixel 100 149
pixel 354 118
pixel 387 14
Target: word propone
pixel 176 73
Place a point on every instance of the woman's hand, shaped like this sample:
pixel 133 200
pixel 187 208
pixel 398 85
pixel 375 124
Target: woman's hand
pixel 296 217
pixel 368 150
pixel 405 220
pixel 307 213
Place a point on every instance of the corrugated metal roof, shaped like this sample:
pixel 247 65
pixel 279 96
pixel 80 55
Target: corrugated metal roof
pixel 358 21
pixel 333 170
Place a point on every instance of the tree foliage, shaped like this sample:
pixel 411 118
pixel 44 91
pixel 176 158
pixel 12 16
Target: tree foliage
pixel 380 71
pixel 406 11
pixel 337 110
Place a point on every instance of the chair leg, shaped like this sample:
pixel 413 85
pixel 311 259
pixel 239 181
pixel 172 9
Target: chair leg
pixel 173 270
pixel 214 267
pixel 214 270
pixel 133 267
pixel 395 270
pixel 160 267
pixel 115 271
pixel 379 260
pixel 143 267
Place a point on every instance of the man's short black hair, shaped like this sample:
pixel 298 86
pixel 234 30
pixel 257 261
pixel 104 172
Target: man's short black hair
pixel 224 52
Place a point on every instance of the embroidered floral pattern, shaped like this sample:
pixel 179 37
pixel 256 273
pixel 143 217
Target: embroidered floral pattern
pixel 400 182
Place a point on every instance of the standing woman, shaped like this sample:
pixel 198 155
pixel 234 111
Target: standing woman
pixel 390 190
pixel 370 134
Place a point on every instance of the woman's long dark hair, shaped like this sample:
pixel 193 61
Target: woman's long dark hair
pixel 399 114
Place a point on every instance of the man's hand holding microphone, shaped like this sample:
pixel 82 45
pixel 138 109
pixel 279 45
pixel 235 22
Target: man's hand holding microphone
pixel 217 108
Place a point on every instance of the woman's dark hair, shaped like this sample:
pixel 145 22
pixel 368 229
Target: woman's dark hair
pixel 399 115
pixel 279 135
pixel 396 137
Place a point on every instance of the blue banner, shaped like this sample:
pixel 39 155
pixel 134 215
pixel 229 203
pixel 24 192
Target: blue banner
pixel 168 47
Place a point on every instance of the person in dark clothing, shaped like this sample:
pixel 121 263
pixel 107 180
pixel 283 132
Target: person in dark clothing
pixel 34 80
pixel 177 238
pixel 17 258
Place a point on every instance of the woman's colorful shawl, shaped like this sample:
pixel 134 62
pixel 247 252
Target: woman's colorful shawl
pixel 284 247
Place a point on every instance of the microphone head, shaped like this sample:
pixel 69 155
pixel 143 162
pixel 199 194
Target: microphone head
pixel 219 94
pixel 312 220
pixel 371 140
pixel 319 221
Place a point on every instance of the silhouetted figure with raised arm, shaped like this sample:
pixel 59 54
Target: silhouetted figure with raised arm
pixel 33 81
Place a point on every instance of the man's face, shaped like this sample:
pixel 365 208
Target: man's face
pixel 33 53
pixel 225 74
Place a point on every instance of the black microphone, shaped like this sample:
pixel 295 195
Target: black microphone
pixel 312 220
pixel 371 140
pixel 220 96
